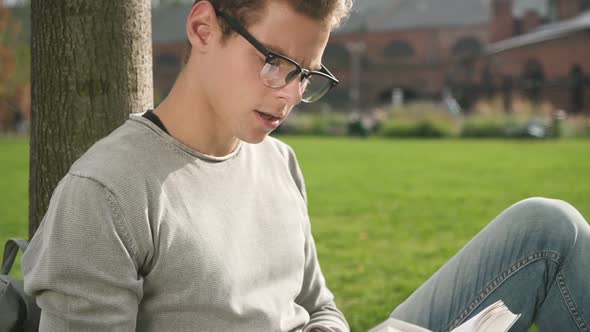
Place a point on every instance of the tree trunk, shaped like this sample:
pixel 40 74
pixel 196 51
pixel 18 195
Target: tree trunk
pixel 91 67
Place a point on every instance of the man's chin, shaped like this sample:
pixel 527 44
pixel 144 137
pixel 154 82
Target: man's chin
pixel 255 139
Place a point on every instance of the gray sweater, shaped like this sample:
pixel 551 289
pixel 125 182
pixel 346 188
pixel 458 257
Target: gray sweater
pixel 145 233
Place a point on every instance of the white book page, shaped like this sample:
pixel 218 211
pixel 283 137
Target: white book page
pixel 495 318
pixel 469 326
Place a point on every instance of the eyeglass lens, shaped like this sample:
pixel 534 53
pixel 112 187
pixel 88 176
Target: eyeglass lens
pixel 279 72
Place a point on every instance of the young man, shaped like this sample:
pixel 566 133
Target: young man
pixel 190 217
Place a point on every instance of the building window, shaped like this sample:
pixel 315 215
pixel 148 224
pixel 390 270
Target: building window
pixel 518 29
pixel 399 49
pixel 467 46
pixel 533 79
pixel 497 8
pixel 336 55
pixel 576 89
pixel 553 11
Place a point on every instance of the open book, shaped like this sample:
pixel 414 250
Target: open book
pixel 495 318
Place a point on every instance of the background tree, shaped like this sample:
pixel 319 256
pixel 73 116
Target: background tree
pixel 91 67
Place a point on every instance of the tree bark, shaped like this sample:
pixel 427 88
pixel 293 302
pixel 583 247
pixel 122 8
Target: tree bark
pixel 91 67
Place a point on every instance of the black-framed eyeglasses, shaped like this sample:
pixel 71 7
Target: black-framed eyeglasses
pixel 280 70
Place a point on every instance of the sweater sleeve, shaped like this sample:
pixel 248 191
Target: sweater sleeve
pixel 81 264
pixel 315 296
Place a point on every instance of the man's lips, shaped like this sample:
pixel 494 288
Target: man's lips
pixel 271 116
pixel 269 121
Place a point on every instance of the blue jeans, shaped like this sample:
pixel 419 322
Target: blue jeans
pixel 535 256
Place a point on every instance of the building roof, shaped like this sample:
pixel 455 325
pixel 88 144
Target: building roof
pixel 168 22
pixel 522 6
pixel 386 15
pixel 368 15
pixel 543 33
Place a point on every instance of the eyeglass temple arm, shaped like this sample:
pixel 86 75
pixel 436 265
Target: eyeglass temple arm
pixel 332 76
pixel 234 24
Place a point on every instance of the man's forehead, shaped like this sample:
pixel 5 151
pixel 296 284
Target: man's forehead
pixel 292 34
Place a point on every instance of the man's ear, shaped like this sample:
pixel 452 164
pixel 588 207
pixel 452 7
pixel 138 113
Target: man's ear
pixel 202 26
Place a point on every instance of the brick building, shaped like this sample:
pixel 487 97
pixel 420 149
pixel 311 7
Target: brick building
pixel 475 48
pixel 543 55
pixel 407 44
pixel 539 49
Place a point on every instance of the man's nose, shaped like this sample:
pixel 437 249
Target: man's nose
pixel 293 92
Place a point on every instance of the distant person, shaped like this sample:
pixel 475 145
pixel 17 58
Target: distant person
pixel 534 82
pixel 577 87
pixel 190 218
pixel 17 121
pixel 507 87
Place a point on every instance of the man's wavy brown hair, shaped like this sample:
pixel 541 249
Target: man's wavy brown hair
pixel 330 13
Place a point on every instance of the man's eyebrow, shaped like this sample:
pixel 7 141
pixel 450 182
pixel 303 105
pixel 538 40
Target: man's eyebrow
pixel 281 51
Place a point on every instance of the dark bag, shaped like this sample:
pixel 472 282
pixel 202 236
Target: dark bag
pixel 18 311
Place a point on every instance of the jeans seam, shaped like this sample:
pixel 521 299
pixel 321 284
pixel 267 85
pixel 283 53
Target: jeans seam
pixel 499 280
pixel 569 302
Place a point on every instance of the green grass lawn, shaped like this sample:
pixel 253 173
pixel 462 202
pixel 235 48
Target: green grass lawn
pixel 14 188
pixel 386 214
